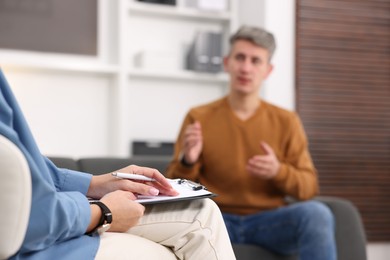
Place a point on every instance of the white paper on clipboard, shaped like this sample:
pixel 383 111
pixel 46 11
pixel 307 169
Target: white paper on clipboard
pixel 188 190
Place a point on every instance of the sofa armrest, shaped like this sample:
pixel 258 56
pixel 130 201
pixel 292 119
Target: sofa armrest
pixel 350 234
pixel 15 197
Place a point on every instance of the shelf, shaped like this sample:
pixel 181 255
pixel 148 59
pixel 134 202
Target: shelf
pixel 25 60
pixel 179 12
pixel 179 75
pixel 101 69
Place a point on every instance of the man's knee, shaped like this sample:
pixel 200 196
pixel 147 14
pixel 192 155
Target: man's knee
pixel 317 216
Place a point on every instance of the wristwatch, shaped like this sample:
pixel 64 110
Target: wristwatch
pixel 183 161
pixel 105 219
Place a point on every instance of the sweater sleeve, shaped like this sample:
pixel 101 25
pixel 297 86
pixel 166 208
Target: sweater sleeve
pixel 297 176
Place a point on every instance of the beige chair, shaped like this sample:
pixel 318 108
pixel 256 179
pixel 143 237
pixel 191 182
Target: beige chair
pixel 15 197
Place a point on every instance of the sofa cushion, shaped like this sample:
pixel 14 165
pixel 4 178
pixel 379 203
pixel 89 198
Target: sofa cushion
pixel 65 162
pixel 104 165
pixel 97 166
pixel 253 252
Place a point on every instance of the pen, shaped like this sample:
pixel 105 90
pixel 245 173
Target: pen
pixel 132 176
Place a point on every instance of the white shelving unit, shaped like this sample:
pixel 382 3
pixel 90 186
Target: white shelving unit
pixel 171 28
pixel 142 103
pixel 179 11
pixel 179 75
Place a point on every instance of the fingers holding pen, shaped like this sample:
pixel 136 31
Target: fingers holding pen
pixel 158 184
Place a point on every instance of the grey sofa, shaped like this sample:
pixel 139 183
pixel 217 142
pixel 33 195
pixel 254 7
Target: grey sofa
pixel 350 235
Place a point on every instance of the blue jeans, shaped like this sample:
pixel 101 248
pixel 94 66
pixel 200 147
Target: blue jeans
pixel 303 228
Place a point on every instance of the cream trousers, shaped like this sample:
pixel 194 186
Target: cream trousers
pixel 192 230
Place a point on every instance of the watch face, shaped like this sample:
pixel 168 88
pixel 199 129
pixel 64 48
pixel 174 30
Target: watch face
pixel 108 217
pixel 103 228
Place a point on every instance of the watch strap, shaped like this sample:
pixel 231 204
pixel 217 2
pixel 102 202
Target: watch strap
pixel 106 217
pixel 183 161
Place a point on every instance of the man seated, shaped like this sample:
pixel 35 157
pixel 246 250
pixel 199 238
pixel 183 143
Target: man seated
pixel 253 155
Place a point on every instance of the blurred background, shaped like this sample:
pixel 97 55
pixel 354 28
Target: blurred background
pixel 95 77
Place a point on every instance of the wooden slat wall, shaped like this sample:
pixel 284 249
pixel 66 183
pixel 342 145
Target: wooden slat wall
pixel 343 98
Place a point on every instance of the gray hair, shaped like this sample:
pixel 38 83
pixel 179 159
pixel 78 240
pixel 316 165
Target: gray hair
pixel 257 36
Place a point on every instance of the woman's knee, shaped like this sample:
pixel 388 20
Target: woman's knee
pixel 210 204
pixel 210 208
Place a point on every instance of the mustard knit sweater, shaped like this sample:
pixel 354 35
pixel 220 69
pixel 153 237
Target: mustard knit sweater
pixel 229 142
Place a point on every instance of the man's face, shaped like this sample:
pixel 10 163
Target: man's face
pixel 248 65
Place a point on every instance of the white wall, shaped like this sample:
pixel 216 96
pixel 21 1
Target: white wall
pixel 278 17
pixel 67 112
pixel 378 251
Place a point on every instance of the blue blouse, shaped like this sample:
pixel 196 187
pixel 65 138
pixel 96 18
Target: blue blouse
pixel 60 212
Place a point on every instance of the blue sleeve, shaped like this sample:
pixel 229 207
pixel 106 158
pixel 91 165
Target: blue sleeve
pixel 55 217
pixel 69 180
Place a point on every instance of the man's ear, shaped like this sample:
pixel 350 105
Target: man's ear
pixel 225 62
pixel 269 70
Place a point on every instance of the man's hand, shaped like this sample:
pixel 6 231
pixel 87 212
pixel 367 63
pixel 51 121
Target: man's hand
pixel 264 166
pixel 192 143
pixel 106 183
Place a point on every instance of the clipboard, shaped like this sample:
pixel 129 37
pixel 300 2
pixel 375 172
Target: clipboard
pixel 188 190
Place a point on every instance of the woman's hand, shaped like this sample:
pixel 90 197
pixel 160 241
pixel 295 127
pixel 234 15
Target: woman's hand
pixel 125 211
pixel 106 183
